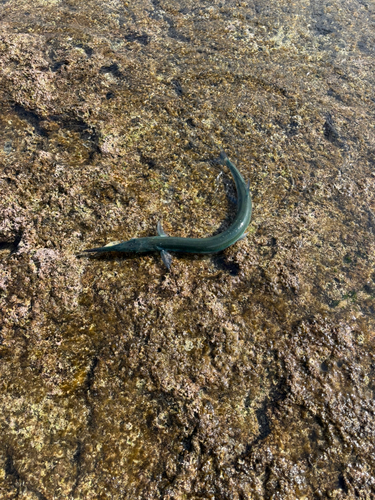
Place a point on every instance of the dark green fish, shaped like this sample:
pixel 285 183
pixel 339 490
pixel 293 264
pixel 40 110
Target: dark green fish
pixel 165 244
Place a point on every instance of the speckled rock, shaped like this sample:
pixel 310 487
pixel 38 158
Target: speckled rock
pixel 243 375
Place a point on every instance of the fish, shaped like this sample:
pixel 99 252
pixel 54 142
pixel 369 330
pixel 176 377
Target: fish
pixel 165 244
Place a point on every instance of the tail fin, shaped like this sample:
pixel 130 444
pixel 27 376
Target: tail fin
pixel 223 155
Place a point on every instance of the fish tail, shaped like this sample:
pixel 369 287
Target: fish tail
pixel 223 155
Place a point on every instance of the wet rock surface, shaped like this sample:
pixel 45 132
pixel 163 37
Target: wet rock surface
pixel 244 375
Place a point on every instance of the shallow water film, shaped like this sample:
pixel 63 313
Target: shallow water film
pixel 243 375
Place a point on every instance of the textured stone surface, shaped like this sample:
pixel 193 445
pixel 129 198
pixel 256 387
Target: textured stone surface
pixel 244 375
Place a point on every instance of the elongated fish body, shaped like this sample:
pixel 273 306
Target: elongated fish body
pixel 164 243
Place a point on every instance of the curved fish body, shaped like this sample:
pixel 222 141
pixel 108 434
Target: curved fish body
pixel 164 243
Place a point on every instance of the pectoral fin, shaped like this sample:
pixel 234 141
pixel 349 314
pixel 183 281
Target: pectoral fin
pixel 160 230
pixel 166 258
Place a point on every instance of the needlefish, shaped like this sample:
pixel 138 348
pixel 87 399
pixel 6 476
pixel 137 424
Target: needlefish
pixel 164 243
